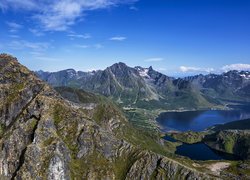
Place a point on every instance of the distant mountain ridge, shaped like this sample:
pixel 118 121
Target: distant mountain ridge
pixel 137 86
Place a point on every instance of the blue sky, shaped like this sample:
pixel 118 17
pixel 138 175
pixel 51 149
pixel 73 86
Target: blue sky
pixel 176 37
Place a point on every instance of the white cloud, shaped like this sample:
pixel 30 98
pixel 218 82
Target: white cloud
pixel 118 38
pixel 154 59
pixel 34 46
pixel 83 46
pixel 14 27
pixel 161 69
pixel 43 58
pixel 14 36
pixel 98 46
pixel 36 32
pixel 84 36
pixel 239 67
pixel 133 8
pixel 59 15
pixel 195 69
pixel 17 4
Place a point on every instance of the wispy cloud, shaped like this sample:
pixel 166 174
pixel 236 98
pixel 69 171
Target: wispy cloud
pixel 18 5
pixel 117 38
pixel 98 46
pixel 133 8
pixel 14 27
pixel 83 36
pixel 161 69
pixel 84 46
pixel 59 15
pixel 36 32
pixel 14 36
pixel 34 46
pixel 44 58
pixel 157 59
pixel 239 67
pixel 195 69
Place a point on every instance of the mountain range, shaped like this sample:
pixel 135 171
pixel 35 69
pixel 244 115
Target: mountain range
pixel 149 89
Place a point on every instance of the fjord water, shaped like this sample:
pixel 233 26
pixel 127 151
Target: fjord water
pixel 201 151
pixel 198 120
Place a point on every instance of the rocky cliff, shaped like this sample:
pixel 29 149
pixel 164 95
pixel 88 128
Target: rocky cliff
pixel 44 136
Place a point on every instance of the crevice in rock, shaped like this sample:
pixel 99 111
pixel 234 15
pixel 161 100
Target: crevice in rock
pixel 158 162
pixel 23 109
pixel 157 168
pixel 31 139
pixel 21 162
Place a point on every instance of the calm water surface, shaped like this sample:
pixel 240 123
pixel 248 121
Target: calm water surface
pixel 198 120
pixel 200 151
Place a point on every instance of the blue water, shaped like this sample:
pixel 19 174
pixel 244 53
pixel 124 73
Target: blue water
pixel 200 151
pixel 198 120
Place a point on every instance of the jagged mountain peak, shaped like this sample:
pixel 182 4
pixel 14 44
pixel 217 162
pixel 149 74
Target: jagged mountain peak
pixel 118 65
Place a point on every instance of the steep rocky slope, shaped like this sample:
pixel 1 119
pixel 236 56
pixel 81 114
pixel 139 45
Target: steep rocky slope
pixel 47 137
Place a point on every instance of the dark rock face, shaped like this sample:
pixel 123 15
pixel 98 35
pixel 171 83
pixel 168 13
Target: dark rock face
pixel 43 136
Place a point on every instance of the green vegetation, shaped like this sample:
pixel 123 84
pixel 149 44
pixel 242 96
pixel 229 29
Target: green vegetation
pixel 2 130
pixel 240 125
pixel 229 143
pixel 106 109
pixel 122 165
pixel 100 113
pixel 14 92
pixel 189 137
pixel 95 161
pixel 59 113
pixel 143 119
pixel 77 95
pixel 239 168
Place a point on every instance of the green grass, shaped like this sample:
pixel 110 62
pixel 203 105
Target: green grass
pixel 59 113
pixel 95 161
pixel 2 129
pixel 229 144
pixel 240 125
pixel 189 137
pixel 236 168
pixel 122 165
